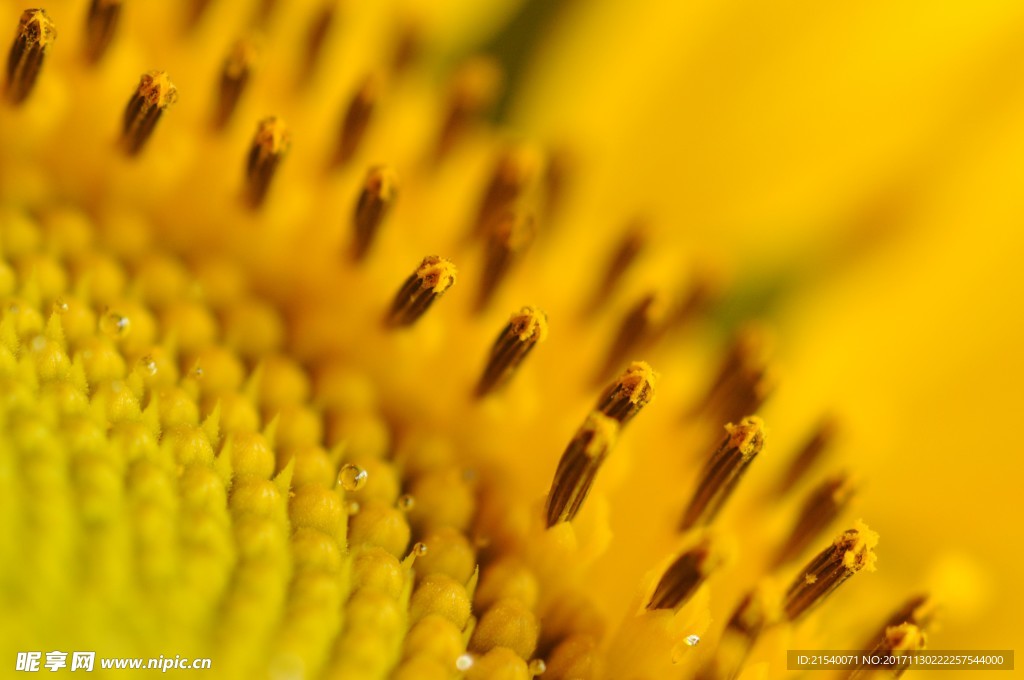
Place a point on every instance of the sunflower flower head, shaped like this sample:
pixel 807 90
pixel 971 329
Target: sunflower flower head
pixel 238 422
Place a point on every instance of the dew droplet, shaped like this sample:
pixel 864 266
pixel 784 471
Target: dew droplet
pixel 147 365
pixel 537 667
pixel 352 508
pixel 464 662
pixel 420 549
pixel 692 640
pixel 197 373
pixel 352 477
pixel 115 325
pixel 405 502
pixel 60 306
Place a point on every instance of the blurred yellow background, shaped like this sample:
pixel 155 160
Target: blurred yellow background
pixel 788 131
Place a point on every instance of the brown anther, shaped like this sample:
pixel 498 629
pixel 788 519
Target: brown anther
pixel 153 96
pixel 234 77
pixel 474 89
pixel 316 36
pixel 894 647
pixel 514 171
pixel 681 580
pixel 633 390
pixel 578 467
pixel 510 235
pixel 641 326
pixel 356 119
pixel 704 288
pixel 622 257
pixel 195 12
pixel 758 610
pixel 744 382
pixel 920 610
pixel 432 278
pixel 408 43
pixel 753 614
pixel 817 444
pixel 753 389
pixel 723 471
pixel 264 8
pixel 557 178
pixel 851 552
pixel 100 26
pixel 379 193
pixel 270 145
pixel 525 329
pixel 823 506
pixel 35 34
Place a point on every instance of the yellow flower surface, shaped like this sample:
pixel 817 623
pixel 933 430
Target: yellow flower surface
pixel 312 369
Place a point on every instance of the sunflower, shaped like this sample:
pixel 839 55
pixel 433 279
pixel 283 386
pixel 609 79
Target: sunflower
pixel 509 339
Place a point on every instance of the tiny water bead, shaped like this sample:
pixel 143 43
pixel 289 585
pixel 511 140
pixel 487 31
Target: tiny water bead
pixel 692 640
pixel 352 508
pixel 537 667
pixel 60 306
pixel 147 365
pixel 464 662
pixel 352 477
pixel 405 502
pixel 420 549
pixel 115 325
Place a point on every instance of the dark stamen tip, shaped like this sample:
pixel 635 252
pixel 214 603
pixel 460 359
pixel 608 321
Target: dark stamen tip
pixel 521 334
pixel 432 278
pixel 578 467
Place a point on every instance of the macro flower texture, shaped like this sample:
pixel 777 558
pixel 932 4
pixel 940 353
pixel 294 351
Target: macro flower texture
pixel 509 339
